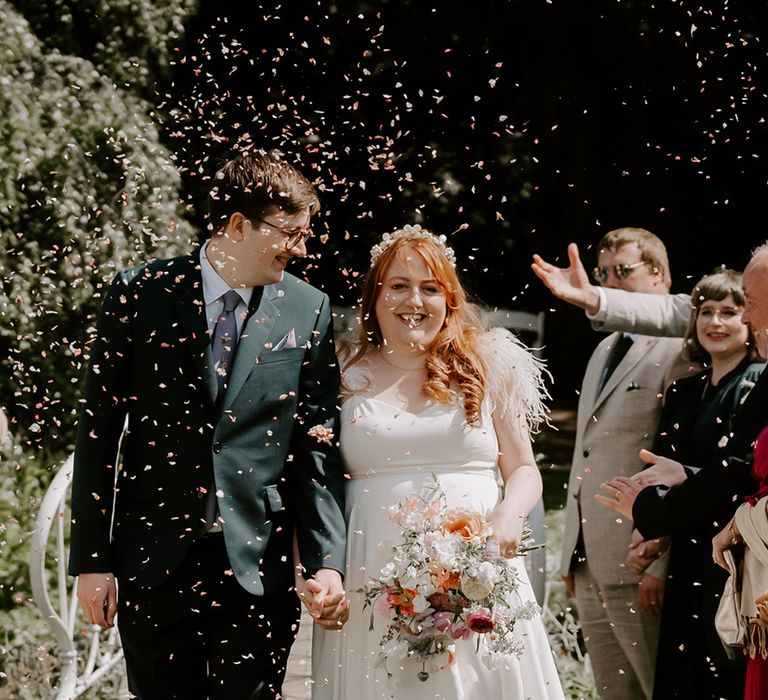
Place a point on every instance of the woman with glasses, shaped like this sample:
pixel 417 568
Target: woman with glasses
pixel 694 427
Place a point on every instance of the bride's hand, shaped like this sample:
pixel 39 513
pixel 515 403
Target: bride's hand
pixel 507 530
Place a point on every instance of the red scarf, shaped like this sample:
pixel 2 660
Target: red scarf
pixel 760 467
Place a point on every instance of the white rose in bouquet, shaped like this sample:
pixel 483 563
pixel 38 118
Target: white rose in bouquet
pixel 479 583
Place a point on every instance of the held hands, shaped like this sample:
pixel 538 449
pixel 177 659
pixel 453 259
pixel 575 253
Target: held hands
pixel 97 594
pixel 662 472
pixel 325 599
pixel 570 283
pixel 620 495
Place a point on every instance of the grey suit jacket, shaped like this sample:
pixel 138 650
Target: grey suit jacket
pixel 645 314
pixel 612 426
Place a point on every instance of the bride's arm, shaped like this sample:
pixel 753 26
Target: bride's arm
pixel 522 483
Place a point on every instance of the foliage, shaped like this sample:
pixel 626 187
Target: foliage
pixel 29 666
pixel 562 622
pixel 85 188
pixel 129 41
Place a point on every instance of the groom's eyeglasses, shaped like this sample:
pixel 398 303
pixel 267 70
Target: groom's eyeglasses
pixel 622 271
pixel 292 238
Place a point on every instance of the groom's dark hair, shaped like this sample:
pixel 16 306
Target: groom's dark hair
pixel 251 183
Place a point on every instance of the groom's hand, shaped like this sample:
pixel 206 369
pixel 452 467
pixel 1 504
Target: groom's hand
pixel 97 594
pixel 325 599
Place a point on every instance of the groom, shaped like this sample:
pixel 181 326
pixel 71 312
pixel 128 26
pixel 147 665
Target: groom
pixel 224 367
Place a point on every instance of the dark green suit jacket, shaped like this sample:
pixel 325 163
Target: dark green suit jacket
pixel 151 361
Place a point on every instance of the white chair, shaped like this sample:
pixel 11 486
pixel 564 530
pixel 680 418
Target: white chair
pixel 346 322
pixel 527 326
pixel 80 669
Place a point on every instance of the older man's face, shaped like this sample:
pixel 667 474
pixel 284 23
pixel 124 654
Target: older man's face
pixel 755 281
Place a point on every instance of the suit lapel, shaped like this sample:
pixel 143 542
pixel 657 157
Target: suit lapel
pixel 255 334
pixel 640 348
pixel 189 303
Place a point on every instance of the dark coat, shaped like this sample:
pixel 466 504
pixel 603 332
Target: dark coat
pixel 696 428
pixel 151 361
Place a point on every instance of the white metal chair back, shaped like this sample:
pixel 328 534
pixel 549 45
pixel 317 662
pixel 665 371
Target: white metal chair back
pixel 103 649
pixel 528 326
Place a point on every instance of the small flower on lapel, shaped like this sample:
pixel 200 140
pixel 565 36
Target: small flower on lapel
pixel 633 386
pixel 321 433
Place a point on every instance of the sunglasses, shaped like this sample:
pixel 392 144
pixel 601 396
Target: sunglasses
pixel 622 271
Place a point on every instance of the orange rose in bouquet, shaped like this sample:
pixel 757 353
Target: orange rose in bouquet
pixel 467 524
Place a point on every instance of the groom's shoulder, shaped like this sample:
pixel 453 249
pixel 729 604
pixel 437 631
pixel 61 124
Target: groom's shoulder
pixel 158 273
pixel 300 291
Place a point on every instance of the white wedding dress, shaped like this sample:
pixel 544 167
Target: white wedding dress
pixel 391 454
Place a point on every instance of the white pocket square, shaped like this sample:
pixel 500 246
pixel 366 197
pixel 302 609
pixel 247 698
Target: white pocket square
pixel 288 342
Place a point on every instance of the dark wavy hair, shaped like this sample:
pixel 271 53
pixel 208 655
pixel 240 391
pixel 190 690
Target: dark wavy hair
pixel 251 183
pixel 715 287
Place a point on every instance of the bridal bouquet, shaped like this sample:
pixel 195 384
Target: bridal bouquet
pixel 446 581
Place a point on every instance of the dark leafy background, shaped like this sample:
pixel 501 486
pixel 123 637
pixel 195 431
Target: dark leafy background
pixel 518 125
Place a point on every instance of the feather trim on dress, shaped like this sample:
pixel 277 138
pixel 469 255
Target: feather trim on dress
pixel 516 379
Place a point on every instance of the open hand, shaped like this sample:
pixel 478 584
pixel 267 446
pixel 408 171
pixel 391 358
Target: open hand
pixel 662 472
pixel 570 283
pixel 619 494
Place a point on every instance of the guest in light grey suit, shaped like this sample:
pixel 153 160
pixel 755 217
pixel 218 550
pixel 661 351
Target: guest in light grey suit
pixel 619 408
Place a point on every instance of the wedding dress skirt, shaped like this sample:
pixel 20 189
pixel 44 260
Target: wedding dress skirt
pixel 391 454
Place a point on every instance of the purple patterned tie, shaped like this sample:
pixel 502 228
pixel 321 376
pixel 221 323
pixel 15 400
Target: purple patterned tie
pixel 225 339
pixel 224 344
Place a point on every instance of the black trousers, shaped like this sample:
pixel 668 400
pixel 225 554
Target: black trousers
pixel 200 635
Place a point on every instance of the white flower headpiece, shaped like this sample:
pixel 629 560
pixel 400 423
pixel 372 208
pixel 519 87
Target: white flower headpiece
pixel 411 232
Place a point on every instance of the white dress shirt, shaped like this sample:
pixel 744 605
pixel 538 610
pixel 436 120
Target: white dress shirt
pixel 214 288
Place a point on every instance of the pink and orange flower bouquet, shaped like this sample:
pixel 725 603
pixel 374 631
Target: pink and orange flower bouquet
pixel 446 581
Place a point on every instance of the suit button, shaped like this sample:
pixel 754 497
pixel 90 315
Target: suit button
pixel 583 454
pixel 217 447
pixel 200 492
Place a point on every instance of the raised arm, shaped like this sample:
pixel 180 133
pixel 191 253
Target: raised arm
pixel 644 314
pixel 614 309
pixel 570 283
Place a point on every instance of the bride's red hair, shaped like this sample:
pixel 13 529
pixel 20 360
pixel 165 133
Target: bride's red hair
pixel 453 361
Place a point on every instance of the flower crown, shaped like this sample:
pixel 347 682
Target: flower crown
pixel 411 232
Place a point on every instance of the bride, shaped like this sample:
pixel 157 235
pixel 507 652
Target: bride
pixel 426 392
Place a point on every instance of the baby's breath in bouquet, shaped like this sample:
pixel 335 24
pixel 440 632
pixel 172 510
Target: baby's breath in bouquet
pixel 445 581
